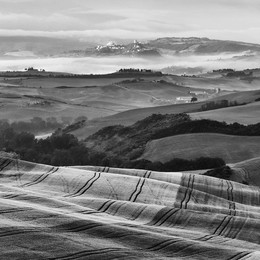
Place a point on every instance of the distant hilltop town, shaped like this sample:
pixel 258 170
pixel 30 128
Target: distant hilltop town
pixel 136 70
pixel 139 72
pixel 32 69
pixel 114 46
pixel 133 49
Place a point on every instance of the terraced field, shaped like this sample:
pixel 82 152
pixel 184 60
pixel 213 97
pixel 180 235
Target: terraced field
pixel 191 146
pixel 101 213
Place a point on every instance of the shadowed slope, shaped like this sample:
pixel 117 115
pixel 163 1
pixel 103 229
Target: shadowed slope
pixel 132 116
pixel 101 213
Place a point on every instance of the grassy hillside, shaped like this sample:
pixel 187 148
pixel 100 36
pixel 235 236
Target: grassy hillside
pixel 131 142
pixel 66 150
pixel 130 117
pixel 68 82
pixel 249 169
pixel 111 213
pixel 211 80
pixel 247 114
pixel 190 146
pixel 24 98
pixel 110 101
pixel 26 107
pixel 239 96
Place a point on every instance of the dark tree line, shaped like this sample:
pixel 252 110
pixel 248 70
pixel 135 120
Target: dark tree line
pixel 38 125
pixel 66 150
pixel 129 142
pixel 209 126
pixel 55 150
pixel 35 125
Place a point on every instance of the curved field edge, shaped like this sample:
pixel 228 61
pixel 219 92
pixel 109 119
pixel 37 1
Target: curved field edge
pixel 191 146
pixel 247 114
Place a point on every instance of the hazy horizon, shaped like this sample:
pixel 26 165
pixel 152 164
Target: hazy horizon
pixel 236 20
pixel 100 21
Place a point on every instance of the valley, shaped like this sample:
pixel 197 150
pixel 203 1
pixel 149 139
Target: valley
pixel 93 97
pixel 135 161
pixel 129 130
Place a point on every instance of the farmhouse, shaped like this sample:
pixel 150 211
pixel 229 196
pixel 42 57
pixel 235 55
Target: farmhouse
pixel 196 93
pixel 186 99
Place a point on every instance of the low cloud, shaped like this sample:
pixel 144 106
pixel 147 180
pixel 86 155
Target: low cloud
pixel 111 64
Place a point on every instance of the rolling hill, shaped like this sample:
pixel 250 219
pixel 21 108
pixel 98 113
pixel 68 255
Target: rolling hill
pixel 249 169
pixel 164 142
pixel 104 213
pixel 42 96
pixel 201 45
pixel 132 116
pixel 24 98
pixel 217 80
pixel 113 100
pixel 230 148
pixel 175 45
pixel 247 114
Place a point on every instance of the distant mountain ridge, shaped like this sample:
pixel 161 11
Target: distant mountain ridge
pixel 40 45
pixel 155 48
pixel 175 46
pixel 201 45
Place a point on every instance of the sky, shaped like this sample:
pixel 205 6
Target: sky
pixel 132 19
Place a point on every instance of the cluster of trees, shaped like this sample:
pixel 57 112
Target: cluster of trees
pixel 134 70
pixel 67 150
pixel 130 141
pixel 219 104
pixel 175 164
pixel 38 125
pixel 40 74
pixel 234 73
pixel 78 123
pixel 209 126
pixel 35 125
pixel 224 70
pixel 119 146
pixel 55 150
pixel 239 74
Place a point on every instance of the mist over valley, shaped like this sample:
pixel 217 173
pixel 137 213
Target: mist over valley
pixel 129 129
